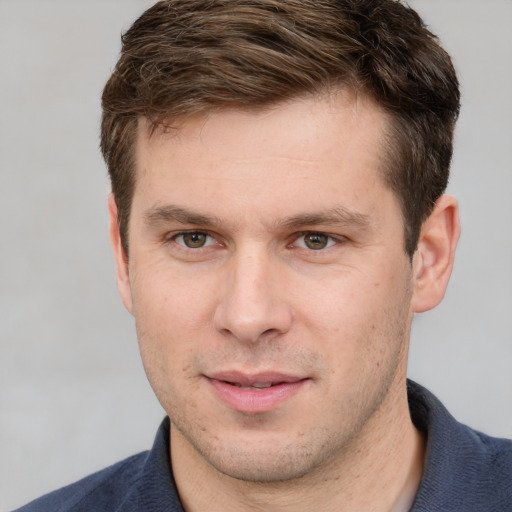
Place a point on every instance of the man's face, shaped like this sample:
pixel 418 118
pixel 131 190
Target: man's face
pixel 269 283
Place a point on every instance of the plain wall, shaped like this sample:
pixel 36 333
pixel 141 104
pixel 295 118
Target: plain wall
pixel 73 394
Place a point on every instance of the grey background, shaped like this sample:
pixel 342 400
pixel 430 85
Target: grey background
pixel 73 395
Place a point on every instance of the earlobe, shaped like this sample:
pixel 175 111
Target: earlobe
pixel 433 259
pixel 120 256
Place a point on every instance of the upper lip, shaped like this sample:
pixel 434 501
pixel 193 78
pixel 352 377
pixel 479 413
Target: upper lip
pixel 249 379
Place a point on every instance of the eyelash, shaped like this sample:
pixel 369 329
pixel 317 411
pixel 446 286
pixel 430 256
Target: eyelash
pixel 331 240
pixel 175 236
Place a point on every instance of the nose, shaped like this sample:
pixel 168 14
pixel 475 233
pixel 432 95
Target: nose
pixel 251 305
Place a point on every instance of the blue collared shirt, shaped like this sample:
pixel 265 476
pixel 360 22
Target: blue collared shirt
pixel 465 471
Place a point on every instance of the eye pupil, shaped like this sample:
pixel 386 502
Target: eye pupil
pixel 316 241
pixel 194 240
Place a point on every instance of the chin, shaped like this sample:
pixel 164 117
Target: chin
pixel 267 460
pixel 258 469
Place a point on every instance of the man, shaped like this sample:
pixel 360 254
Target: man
pixel 277 217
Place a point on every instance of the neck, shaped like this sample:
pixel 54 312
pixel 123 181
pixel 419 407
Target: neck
pixel 380 472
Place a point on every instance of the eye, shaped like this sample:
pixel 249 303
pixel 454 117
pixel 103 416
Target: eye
pixel 194 239
pixel 315 241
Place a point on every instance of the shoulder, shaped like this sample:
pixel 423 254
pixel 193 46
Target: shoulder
pixel 495 473
pixel 104 490
pixel 141 482
pixel 478 471
pixel 465 470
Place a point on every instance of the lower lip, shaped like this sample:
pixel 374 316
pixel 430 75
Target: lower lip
pixel 255 401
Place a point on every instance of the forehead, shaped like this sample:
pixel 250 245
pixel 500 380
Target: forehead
pixel 330 117
pixel 337 98
pixel 308 149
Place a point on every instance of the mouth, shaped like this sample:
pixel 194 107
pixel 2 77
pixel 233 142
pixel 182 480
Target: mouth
pixel 256 385
pixel 254 394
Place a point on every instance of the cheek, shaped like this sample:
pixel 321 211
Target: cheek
pixel 360 318
pixel 170 317
pixel 339 303
pixel 168 323
pixel 167 302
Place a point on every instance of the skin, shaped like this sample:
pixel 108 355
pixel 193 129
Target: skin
pixel 266 243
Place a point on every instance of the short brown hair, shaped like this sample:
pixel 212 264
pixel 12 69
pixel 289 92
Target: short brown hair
pixel 186 57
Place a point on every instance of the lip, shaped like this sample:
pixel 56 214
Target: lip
pixel 235 390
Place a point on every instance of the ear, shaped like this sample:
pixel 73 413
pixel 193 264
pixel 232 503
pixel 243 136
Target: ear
pixel 433 259
pixel 120 256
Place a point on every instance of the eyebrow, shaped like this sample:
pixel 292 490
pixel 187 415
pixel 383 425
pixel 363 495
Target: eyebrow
pixel 339 216
pixel 172 213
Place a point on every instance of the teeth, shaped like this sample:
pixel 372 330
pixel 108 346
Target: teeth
pixel 256 385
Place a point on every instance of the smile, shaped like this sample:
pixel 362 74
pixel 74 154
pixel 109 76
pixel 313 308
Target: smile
pixel 256 385
pixel 255 394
